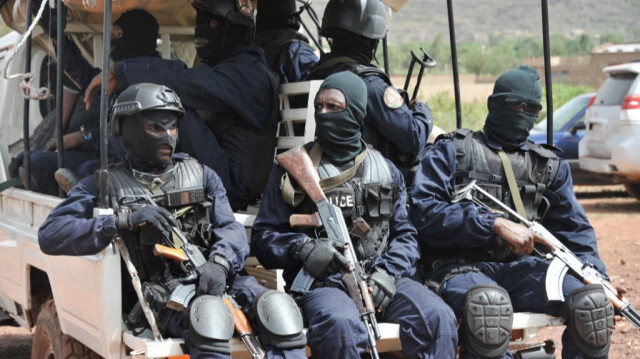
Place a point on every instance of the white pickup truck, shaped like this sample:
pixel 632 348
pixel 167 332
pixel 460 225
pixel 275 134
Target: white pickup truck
pixel 74 303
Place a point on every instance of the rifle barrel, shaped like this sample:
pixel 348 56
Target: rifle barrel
pixel 631 314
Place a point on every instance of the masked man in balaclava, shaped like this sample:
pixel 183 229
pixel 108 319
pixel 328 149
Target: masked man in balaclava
pixel 372 195
pixel 134 34
pixel 234 92
pixel 287 51
pixel 147 116
pixel 480 256
pixel 394 126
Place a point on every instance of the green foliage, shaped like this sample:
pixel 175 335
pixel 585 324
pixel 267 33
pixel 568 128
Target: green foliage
pixel 443 107
pixel 496 55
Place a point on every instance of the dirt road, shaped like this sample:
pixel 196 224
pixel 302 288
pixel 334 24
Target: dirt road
pixel 616 219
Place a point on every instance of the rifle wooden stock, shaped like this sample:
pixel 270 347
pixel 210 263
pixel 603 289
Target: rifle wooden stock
pixel 298 164
pixel 177 254
pixel 305 220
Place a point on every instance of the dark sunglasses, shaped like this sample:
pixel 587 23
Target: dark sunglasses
pixel 521 105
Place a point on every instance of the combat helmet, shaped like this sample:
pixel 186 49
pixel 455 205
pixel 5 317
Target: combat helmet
pixel 238 12
pixel 362 17
pixel 143 97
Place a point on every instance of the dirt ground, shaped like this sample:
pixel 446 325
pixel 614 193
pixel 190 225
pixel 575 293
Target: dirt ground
pixel 615 217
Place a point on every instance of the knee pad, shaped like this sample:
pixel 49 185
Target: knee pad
pixel 279 320
pixel 590 320
pixel 487 320
pixel 210 324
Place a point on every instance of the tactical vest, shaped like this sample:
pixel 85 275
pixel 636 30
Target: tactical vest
pixel 534 171
pixel 370 134
pixel 252 150
pixel 126 192
pixel 369 195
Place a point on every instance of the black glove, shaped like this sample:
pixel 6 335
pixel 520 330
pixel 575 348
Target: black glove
pixel 384 288
pixel 157 217
pixel 213 279
pixel 322 257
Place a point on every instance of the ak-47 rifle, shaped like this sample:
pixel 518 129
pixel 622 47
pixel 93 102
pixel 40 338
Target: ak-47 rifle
pixel 241 323
pixel 299 166
pixel 562 259
pixel 190 258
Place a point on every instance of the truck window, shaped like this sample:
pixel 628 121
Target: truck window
pixel 614 89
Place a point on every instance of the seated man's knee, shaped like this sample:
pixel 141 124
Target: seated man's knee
pixel 487 320
pixel 279 320
pixel 210 325
pixel 589 314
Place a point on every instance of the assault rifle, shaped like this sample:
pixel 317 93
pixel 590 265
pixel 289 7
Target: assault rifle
pixel 241 324
pixel 561 257
pixel 190 258
pixel 299 166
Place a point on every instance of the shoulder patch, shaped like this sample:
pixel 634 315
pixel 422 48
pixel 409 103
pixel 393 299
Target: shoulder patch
pixel 245 7
pixel 392 98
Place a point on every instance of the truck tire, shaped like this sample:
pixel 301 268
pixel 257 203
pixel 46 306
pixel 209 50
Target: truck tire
pixel 50 343
pixel 633 189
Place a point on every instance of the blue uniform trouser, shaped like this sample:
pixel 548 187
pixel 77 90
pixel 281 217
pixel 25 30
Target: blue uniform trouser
pixel 196 139
pixel 335 330
pixel 45 163
pixel 523 279
pixel 244 289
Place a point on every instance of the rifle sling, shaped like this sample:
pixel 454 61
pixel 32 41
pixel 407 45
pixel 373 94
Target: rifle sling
pixel 513 187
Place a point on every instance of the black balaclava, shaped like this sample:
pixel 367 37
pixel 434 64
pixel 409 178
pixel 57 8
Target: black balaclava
pixel 142 146
pixel 276 14
pixel 508 126
pixel 224 36
pixel 339 132
pixel 139 35
pixel 358 47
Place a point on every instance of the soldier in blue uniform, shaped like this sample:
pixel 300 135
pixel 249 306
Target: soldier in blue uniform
pixel 477 255
pixel 393 126
pixel 287 51
pixel 234 92
pixel 146 116
pixel 134 34
pixel 375 195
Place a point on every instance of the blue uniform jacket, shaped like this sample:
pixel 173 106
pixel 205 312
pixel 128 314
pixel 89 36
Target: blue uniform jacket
pixel 71 228
pixel 408 129
pixel 237 84
pixel 275 242
pixel 295 62
pixel 442 224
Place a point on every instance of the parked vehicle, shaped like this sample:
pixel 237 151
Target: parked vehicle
pixel 612 142
pixel 568 130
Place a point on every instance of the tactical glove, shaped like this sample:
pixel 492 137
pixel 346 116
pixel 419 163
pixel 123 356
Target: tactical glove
pixel 213 279
pixel 322 257
pixel 157 217
pixel 384 288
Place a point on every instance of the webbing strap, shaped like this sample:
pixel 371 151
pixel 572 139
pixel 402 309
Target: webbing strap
pixel 513 187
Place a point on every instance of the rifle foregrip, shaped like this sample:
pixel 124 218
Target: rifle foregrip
pixel 305 220
pixel 176 254
pixel 240 320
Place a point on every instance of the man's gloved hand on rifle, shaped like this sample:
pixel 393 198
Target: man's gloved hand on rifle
pixel 213 276
pixel 383 288
pixel 322 257
pixel 157 217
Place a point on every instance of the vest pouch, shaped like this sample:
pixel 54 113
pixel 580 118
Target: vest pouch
pixel 196 224
pixel 386 203
pixel 372 193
